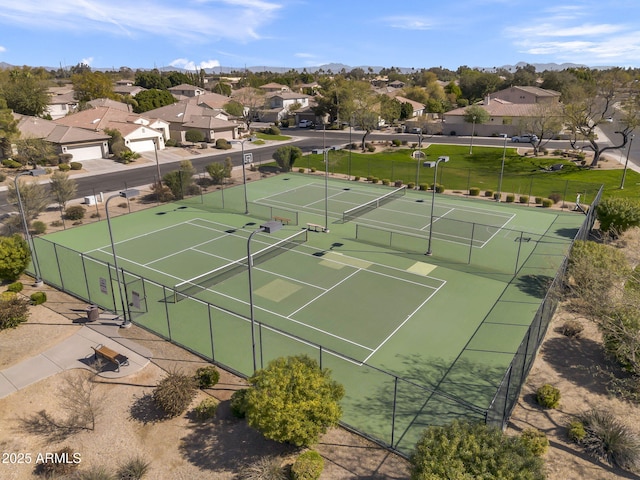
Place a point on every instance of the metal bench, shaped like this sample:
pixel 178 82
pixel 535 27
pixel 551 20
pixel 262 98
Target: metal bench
pixel 110 355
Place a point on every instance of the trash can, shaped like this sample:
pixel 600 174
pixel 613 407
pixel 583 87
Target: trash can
pixel 93 313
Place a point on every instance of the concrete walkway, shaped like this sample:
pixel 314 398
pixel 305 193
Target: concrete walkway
pixel 76 352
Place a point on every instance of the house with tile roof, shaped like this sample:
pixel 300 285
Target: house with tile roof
pixel 274 88
pixel 62 101
pixel 140 133
pixel 526 95
pixel 82 144
pixel 186 90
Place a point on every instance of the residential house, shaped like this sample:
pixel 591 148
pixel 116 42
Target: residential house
pixel 62 101
pixel 274 88
pixel 186 90
pixel 527 95
pixel 140 133
pixel 397 84
pixel 80 143
pixel 418 108
pixel 107 102
pixel 210 100
pixel 280 105
pixel 184 116
pixel 132 90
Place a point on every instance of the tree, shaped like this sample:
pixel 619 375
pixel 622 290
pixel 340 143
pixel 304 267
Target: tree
pixel 152 79
pixel 8 129
pixel 391 109
pixel 546 122
pixel 194 136
pixel 476 114
pixel 286 156
pixel 617 215
pixel 228 167
pixel 590 103
pixel 14 257
pixel 34 150
pixel 63 188
pixel 152 99
pixel 252 101
pixel 116 142
pixel 180 181
pixel 216 171
pixel 26 94
pixel 465 451
pixel 234 108
pixel 34 198
pixel 293 401
pixel 91 85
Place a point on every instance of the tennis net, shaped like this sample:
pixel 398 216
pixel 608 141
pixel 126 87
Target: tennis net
pixel 372 204
pixel 195 285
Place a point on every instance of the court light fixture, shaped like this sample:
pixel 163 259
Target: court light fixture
pixel 129 193
pixel 267 227
pixel 35 172
pixel 433 195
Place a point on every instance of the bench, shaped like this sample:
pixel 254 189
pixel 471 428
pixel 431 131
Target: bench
pixel 110 355
pixel 315 227
pixel 282 220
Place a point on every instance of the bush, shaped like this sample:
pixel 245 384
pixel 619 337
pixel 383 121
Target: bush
pixel 609 439
pixel 523 199
pixel 194 136
pixel 555 197
pixel 474 191
pixel 238 403
pixel 439 188
pixel 535 440
pixel 64 462
pixel 375 179
pixel 510 198
pixel 313 169
pixel 135 468
pixel 301 170
pixel 74 212
pixel 576 431
pixel 370 148
pixel 174 393
pixel 396 142
pixel 539 200
pixel 39 227
pixel 223 144
pixel 548 396
pixel 13 311
pixel 617 215
pixel 423 187
pixel 308 466
pixel 265 468
pixel 411 185
pixel 207 377
pixel 64 167
pixel 464 450
pixel 3 177
pixel 272 130
pixel 356 179
pixel 547 203
pixel 75 166
pixel 38 298
pixel 206 409
pixel 571 328
pixel 386 181
pixel 9 163
pixel 170 143
pixel 488 193
pixel 15 287
pixel 497 196
pixel 95 472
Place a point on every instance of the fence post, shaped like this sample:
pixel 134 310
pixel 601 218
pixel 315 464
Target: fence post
pixel 393 415
pixel 473 230
pixel 213 355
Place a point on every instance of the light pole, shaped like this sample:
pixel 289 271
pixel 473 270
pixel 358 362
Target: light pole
pixel 473 132
pixel 349 170
pixel 325 155
pixel 155 149
pixel 419 158
pixel 433 195
pixel 504 152
pixel 36 172
pixel 267 227
pixel 132 192
pixel 624 172
pixel 244 171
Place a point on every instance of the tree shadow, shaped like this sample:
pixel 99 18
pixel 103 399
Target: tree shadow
pixel 145 410
pixel 534 285
pixel 226 443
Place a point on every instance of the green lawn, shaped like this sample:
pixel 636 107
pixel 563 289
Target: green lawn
pixel 522 175
pixel 264 136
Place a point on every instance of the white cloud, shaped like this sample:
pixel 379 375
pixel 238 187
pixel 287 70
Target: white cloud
pixel 190 65
pixel 304 55
pixel 2 49
pixel 408 22
pixel 87 61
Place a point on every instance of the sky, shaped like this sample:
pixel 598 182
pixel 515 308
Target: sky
pixel 194 34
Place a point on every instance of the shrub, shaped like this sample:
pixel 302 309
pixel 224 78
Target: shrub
pixel 548 396
pixel 423 187
pixel 223 144
pixel 497 196
pixel 370 148
pixel 206 409
pixel 238 403
pixel 56 223
pixel 8 295
pixel 64 167
pixel 375 179
pixel 397 183
pixel 464 450
pixel 39 227
pixel 308 466
pixel 15 287
pixel 555 197
pixel 74 212
pixel 95 472
pixel 474 191
pixel 539 200
pixel 386 181
pixel 396 142
pixel 63 462
pixel 609 439
pixel 535 440
pixel 75 166
pixel 439 188
pixel 617 215
pixel 547 203
pixel 9 163
pixel 272 130
pixel 174 393
pixel 524 199
pixel 170 143
pixel 356 179
pixel 265 468
pixel 13 311
pixel 65 157
pixel 301 170
pixel 571 328
pixel 194 136
pixel 135 468
pixel 411 185
pixel 576 431
pixel 38 298
pixel 488 193
pixel 510 198
pixel 207 377
pixel 3 177
pixel 312 169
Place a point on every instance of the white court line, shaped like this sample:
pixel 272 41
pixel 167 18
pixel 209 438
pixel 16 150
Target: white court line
pixel 497 231
pixel 307 185
pixel 402 324
pixel 428 225
pixel 326 291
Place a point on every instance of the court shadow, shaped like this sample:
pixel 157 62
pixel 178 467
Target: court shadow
pixel 566 232
pixel 534 285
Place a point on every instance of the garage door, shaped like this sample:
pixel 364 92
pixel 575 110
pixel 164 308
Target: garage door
pixel 141 145
pixel 85 153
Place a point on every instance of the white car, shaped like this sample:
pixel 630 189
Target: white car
pixel 305 123
pixel 527 138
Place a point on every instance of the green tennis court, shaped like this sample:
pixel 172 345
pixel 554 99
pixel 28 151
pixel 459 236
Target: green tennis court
pixel 415 339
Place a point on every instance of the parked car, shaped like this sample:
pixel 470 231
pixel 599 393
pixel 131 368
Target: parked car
pixel 526 138
pixel 305 124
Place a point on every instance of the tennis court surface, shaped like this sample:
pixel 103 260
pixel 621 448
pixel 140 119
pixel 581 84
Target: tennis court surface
pixel 415 339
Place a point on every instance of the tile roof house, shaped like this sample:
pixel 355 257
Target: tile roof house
pixel 418 108
pixel 184 116
pixel 140 133
pixel 274 87
pixel 107 102
pixel 527 95
pixel 80 143
pixel 210 100
pixel 186 90
pixel 278 105
pixel 62 102
pixel 132 90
